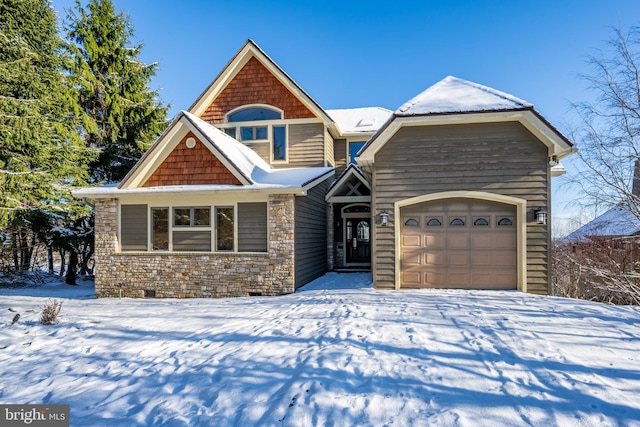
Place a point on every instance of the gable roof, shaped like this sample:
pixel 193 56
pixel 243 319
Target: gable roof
pixel 340 184
pixel 245 164
pixel 248 51
pixel 354 121
pixel 454 95
pixel 456 101
pixel 616 222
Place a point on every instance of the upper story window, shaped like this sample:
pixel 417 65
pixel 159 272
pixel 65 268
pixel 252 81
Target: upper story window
pixel 354 147
pixel 249 114
pixel 259 124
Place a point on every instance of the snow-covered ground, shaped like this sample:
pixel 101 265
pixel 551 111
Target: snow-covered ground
pixel 335 353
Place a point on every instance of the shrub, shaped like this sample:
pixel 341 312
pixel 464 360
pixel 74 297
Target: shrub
pixel 49 315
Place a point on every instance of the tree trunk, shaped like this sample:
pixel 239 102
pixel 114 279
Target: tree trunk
pixel 50 259
pixel 72 268
pixel 63 255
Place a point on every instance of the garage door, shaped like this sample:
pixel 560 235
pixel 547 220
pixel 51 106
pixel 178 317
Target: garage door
pixel 458 243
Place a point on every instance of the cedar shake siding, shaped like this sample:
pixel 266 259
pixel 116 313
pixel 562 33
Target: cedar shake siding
pixel 311 234
pixel 306 145
pixel 501 158
pixel 254 84
pixel 191 166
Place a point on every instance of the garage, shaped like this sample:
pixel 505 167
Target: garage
pixel 458 243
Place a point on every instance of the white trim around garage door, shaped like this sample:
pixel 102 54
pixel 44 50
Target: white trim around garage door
pixel 521 225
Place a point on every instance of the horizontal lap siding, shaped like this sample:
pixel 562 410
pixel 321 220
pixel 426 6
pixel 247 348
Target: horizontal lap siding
pixel 306 145
pixel 340 153
pixel 252 227
pixel 501 158
pixel 188 240
pixel 311 235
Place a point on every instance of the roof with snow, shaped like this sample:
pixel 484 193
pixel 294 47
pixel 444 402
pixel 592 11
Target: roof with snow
pixel 359 120
pixel 454 95
pixel 617 221
pixel 256 173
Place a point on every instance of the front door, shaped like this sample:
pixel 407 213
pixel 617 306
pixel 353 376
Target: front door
pixel 358 241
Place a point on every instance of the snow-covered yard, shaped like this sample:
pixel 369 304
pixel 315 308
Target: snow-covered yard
pixel 335 353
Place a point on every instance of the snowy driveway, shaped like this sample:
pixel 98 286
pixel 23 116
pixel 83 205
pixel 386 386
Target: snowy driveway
pixel 335 353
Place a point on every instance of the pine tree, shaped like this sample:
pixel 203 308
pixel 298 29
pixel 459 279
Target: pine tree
pixel 41 154
pixel 124 115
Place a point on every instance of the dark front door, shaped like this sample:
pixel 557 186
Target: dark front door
pixel 358 241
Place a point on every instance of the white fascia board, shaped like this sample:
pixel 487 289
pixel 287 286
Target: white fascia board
pixel 232 69
pixel 155 155
pixel 114 192
pixel 557 146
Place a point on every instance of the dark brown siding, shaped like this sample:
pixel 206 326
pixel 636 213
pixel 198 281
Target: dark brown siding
pixel 254 84
pixel 502 158
pixel 191 166
pixel 311 234
pixel 252 227
pixel 134 232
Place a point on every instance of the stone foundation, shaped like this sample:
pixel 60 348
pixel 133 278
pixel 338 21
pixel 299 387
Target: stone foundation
pixel 197 274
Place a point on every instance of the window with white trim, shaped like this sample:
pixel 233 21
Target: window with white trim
pixel 259 124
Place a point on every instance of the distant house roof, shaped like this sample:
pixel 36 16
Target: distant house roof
pixel 359 120
pixel 617 221
pixel 454 95
pixel 245 163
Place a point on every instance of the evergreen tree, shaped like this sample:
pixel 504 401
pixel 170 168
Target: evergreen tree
pixel 41 154
pixel 124 116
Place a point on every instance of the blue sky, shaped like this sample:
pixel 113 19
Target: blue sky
pixel 382 53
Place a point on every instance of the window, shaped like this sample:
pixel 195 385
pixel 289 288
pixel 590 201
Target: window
pixel 434 222
pixel 279 143
pixel 457 222
pixel 354 147
pixel 250 114
pixel 224 229
pixel 411 222
pixel 505 221
pixel 253 133
pixel 230 131
pixel 481 221
pixel 160 229
pixel 192 217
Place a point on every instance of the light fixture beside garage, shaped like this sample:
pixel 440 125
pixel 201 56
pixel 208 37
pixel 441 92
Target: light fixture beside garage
pixel 384 218
pixel 541 216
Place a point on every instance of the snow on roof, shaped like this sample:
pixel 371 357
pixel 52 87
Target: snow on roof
pixel 246 161
pixel 454 95
pixel 359 120
pixel 617 221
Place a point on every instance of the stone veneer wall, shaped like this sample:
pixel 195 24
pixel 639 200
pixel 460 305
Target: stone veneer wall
pixel 195 274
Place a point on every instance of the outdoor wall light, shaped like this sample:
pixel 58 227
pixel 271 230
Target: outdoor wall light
pixel 553 160
pixel 541 216
pixel 384 218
